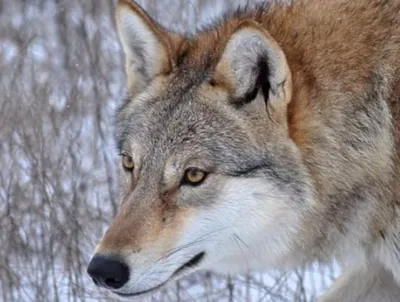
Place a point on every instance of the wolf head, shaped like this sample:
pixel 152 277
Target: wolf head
pixel 210 178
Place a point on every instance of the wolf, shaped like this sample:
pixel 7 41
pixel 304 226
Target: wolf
pixel 267 139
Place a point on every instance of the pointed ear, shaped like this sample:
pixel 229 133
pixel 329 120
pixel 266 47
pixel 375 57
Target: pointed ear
pixel 252 61
pixel 145 43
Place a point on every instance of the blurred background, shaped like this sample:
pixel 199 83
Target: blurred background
pixel 61 79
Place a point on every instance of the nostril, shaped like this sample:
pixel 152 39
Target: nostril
pixel 108 271
pixel 113 283
pixel 96 282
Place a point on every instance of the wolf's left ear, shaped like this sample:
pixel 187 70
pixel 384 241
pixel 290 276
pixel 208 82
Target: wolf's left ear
pixel 146 45
pixel 252 61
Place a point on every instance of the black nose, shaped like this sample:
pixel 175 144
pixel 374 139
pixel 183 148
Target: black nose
pixel 108 271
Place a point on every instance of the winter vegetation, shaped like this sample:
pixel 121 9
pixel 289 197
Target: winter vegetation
pixel 61 78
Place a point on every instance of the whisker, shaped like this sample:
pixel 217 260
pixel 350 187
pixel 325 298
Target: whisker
pixel 238 240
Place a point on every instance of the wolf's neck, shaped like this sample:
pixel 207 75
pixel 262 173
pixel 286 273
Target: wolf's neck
pixel 342 117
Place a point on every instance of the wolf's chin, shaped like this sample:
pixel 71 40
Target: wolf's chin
pixel 184 269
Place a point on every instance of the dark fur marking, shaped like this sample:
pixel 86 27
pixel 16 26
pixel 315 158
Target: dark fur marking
pixel 182 56
pixel 282 177
pixel 249 171
pixel 266 167
pixel 262 84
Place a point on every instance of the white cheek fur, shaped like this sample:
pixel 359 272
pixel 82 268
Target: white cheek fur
pixel 250 226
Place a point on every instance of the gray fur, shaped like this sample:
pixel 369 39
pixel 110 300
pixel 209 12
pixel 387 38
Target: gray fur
pixel 311 145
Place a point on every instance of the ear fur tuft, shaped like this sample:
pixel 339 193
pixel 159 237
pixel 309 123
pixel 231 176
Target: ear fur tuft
pixel 252 61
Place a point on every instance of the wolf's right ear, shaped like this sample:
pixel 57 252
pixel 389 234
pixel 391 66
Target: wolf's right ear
pixel 253 62
pixel 145 43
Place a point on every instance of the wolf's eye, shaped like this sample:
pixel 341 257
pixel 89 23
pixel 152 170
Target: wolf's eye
pixel 128 163
pixel 194 176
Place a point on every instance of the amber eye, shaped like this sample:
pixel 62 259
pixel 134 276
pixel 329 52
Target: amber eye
pixel 194 176
pixel 127 162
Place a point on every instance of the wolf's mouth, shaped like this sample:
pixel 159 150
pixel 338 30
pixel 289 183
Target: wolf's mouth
pixel 191 264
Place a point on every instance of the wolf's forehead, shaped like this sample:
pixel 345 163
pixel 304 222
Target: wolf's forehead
pixel 162 96
pixel 177 115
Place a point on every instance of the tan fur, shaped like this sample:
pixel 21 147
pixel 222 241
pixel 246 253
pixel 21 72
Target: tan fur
pixel 157 225
pixel 332 119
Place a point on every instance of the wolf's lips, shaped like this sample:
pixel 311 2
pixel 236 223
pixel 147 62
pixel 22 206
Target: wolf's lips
pixel 191 264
